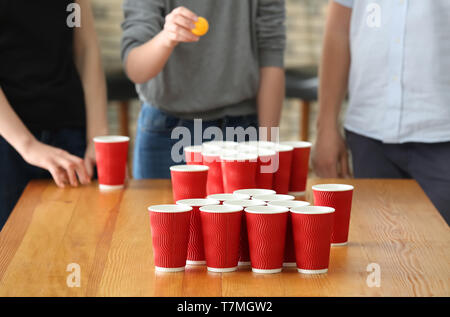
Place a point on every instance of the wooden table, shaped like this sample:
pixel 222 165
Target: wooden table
pixel 393 224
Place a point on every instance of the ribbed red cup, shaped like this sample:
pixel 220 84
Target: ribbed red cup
pixel 339 197
pixel 170 235
pixel 193 155
pixel 244 253
pixel 239 171
pixel 312 226
pixel 289 249
pixel 211 158
pixel 196 253
pixel 111 156
pixel 300 166
pixel 282 176
pixel 266 168
pixel 221 226
pixel 188 181
pixel 223 197
pixel 266 227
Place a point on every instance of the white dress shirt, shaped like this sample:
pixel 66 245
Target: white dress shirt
pixel 399 84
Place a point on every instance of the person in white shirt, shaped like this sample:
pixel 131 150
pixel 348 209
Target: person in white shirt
pixel 393 58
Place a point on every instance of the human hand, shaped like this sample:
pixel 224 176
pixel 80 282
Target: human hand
pixel 64 167
pixel 330 157
pixel 179 25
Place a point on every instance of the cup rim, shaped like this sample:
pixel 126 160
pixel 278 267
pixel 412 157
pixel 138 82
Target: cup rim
pixel 261 143
pixel 238 157
pixel 255 191
pixel 332 187
pixel 221 209
pixel 189 168
pixel 221 144
pixel 266 152
pixel 297 144
pixel 274 197
pixel 312 210
pixel 111 139
pixel 212 152
pixel 197 202
pixel 266 210
pixel 288 203
pixel 282 148
pixel 169 208
pixel 244 202
pixel 228 196
pixel 193 148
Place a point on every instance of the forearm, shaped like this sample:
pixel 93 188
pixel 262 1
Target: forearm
pixel 89 66
pixel 146 61
pixel 270 96
pixel 94 86
pixel 334 70
pixel 12 129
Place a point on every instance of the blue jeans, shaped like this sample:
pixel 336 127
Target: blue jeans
pixel 153 145
pixel 427 163
pixel 15 173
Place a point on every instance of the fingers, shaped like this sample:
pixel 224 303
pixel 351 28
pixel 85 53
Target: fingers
pixel 73 167
pixel 180 34
pixel 186 13
pixel 325 166
pixel 179 24
pixel 183 22
pixel 344 167
pixel 59 176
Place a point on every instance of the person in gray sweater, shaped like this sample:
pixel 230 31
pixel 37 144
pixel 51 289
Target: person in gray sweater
pixel 231 77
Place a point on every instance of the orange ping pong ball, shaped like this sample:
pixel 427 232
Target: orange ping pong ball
pixel 201 27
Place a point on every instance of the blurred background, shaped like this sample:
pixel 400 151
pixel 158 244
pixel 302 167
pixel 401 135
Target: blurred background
pixel 305 25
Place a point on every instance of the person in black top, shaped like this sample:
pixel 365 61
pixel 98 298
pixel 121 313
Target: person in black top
pixel 52 95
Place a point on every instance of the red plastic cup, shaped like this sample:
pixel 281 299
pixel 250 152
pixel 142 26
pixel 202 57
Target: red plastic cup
pixel 266 227
pixel 221 226
pixel 289 249
pixel 282 175
pixel 273 197
pixel 244 253
pixel 312 226
pixel 170 235
pixel 111 155
pixel 267 165
pixel 239 171
pixel 193 155
pixel 300 166
pixel 224 197
pixel 339 197
pixel 189 181
pixel 196 253
pixel 211 158
pixel 254 191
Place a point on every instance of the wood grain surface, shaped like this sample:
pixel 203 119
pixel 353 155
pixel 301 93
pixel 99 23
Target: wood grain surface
pixel 393 224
